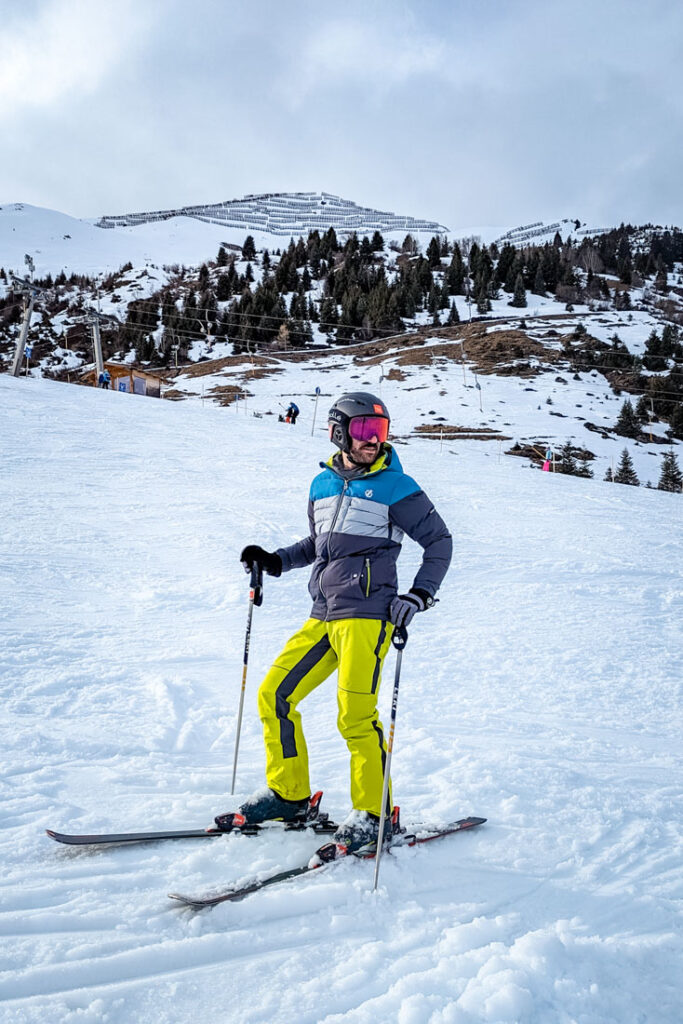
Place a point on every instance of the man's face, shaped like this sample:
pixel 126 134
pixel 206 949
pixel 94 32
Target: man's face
pixel 365 452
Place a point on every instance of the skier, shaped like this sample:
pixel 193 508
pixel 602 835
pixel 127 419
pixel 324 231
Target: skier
pixel 359 507
pixel 291 413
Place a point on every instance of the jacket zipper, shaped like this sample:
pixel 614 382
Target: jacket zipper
pixel 329 536
pixel 367 577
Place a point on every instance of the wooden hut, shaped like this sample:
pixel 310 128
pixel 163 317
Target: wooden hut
pixel 132 379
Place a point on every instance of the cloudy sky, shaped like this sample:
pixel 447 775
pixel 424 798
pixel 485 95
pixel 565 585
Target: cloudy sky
pixel 469 112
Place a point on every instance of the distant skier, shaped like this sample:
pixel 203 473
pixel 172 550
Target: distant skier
pixel 359 508
pixel 548 457
pixel 107 379
pixel 291 413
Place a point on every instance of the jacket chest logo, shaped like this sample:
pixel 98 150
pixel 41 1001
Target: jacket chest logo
pixel 368 493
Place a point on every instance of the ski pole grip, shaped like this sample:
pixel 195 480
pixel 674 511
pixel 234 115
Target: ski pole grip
pixel 399 637
pixel 256 583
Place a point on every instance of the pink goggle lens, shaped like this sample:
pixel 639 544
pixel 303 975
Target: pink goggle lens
pixel 369 428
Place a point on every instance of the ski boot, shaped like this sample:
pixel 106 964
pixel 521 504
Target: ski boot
pixel 267 805
pixel 358 833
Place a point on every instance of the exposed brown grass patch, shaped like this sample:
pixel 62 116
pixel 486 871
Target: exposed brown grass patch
pixel 227 394
pixel 210 366
pixel 175 395
pixel 454 433
pixel 506 352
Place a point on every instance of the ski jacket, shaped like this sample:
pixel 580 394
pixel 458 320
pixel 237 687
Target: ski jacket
pixel 356 529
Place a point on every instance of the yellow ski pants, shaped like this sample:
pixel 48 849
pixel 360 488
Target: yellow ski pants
pixel 356 648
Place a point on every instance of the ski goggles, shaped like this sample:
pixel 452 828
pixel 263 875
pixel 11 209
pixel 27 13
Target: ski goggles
pixel 369 428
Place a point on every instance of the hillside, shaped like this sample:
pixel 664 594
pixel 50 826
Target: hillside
pixel 554 333
pixel 542 692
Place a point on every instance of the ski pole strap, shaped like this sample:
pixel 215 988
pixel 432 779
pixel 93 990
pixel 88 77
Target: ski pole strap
pixel 399 637
pixel 256 584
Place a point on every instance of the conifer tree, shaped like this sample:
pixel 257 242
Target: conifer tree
pixel 455 275
pixel 661 280
pixel 625 473
pixel 670 478
pixel 482 299
pixel 434 253
pixel 676 421
pixel 249 248
pixel 223 290
pixel 643 409
pixel 222 257
pixel 627 424
pixel 567 460
pixel 519 298
pixel 377 243
pixel 328 315
pixel 608 476
pixel 514 270
pixel 473 259
pixel 539 282
pixel 453 316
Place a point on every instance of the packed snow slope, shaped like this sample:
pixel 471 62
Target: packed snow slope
pixel 542 692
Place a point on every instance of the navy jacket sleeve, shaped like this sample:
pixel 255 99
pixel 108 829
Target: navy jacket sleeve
pixel 302 553
pixel 417 517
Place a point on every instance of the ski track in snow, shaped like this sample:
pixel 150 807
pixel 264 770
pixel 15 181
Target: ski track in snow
pixel 543 692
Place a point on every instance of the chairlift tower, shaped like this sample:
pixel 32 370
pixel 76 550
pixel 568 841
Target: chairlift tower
pixel 22 286
pixel 95 318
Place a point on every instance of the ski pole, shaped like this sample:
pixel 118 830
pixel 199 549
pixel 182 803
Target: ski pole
pixel 255 598
pixel 399 639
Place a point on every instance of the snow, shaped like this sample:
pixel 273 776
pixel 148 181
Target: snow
pixel 542 692
pixel 516 407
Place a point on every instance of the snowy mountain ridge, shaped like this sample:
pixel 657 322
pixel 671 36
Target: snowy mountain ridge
pixel 58 242
pixel 287 214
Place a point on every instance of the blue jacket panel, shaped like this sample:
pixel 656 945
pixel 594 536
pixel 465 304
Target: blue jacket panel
pixel 356 529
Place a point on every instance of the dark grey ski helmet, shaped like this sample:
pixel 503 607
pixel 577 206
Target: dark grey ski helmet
pixel 356 403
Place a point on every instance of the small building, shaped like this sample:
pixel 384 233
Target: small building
pixel 132 379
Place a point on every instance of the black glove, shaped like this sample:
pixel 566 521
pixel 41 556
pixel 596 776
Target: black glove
pixel 404 606
pixel 271 562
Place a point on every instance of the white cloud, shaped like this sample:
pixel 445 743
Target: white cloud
pixel 361 53
pixel 69 48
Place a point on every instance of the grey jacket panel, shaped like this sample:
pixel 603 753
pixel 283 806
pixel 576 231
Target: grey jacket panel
pixel 302 553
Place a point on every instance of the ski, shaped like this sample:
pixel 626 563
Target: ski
pixel 330 852
pixel 317 822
